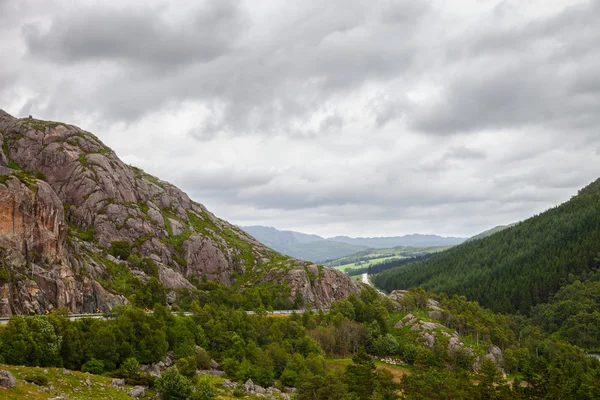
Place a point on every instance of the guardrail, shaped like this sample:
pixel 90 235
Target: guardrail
pixel 74 317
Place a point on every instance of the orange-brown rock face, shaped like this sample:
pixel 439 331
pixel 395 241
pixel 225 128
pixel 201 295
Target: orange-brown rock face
pixel 32 221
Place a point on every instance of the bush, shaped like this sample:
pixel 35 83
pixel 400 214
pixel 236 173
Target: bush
pixel 93 366
pixel 142 379
pixel 39 380
pixel 120 249
pixel 186 366
pixel 173 386
pixel 130 368
pixel 204 389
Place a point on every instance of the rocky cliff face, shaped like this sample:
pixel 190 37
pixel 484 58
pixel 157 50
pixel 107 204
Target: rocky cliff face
pixel 65 198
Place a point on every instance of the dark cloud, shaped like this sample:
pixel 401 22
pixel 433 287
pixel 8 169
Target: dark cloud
pixel 143 36
pixel 523 76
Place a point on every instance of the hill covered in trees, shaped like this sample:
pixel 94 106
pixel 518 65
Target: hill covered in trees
pixel 516 268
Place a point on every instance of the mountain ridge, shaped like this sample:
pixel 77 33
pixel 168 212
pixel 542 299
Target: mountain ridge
pixel 68 202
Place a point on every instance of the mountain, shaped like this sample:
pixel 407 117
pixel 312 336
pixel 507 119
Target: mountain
pixel 518 267
pixel 415 240
pixel 490 232
pixel 300 245
pixel 71 212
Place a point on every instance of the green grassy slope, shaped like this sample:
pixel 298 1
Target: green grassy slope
pixel 369 257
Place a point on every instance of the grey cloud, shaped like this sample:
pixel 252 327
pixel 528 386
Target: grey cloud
pixel 139 35
pixel 520 77
pixel 464 152
pixel 262 85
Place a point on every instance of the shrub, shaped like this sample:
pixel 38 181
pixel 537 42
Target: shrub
pixel 130 368
pixel 204 389
pixel 187 366
pixel 120 249
pixel 173 386
pixel 39 380
pixel 93 366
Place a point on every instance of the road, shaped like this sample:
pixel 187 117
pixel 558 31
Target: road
pixel 74 317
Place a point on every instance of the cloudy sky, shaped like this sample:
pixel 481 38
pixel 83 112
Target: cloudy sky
pixel 364 118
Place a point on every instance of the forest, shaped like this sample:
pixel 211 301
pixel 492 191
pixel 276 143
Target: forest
pixel 517 268
pixel 300 351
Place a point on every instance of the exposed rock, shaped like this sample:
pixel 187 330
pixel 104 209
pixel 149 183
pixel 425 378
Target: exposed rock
pixel 7 380
pixel 118 382
pixel 496 354
pixel 399 324
pixel 429 326
pixel 214 365
pixel 453 344
pixel 249 386
pixel 429 339
pixel 88 195
pixel 433 305
pixel 137 392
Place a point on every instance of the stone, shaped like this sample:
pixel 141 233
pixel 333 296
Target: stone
pixel 453 344
pixel 7 380
pixel 137 392
pixel 118 382
pixel 429 326
pixel 249 386
pixel 496 352
pixel 214 365
pixel 429 339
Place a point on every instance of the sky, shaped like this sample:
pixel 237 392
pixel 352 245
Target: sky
pixel 344 117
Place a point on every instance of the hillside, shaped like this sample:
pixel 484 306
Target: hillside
pixel 518 267
pixel 300 245
pixel 415 240
pixel 72 212
pixel 366 258
pixel 490 232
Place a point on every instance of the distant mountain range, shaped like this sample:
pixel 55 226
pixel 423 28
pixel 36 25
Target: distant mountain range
pixel 317 249
pixel 414 240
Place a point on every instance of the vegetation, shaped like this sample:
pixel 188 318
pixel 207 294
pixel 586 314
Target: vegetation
pixel 295 351
pixel 518 267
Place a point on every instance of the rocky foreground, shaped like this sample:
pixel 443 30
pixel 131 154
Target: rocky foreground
pixel 66 198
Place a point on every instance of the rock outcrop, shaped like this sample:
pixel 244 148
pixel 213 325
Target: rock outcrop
pixel 66 198
pixel 7 380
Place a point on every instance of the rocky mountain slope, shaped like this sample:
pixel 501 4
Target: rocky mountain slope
pixel 66 198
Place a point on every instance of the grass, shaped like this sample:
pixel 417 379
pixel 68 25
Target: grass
pixel 365 258
pixel 396 370
pixel 72 384
pixel 364 264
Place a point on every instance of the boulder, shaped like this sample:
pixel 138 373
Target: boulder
pixel 118 382
pixel 429 339
pixel 453 344
pixel 496 352
pixel 7 380
pixel 137 392
pixel 249 386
